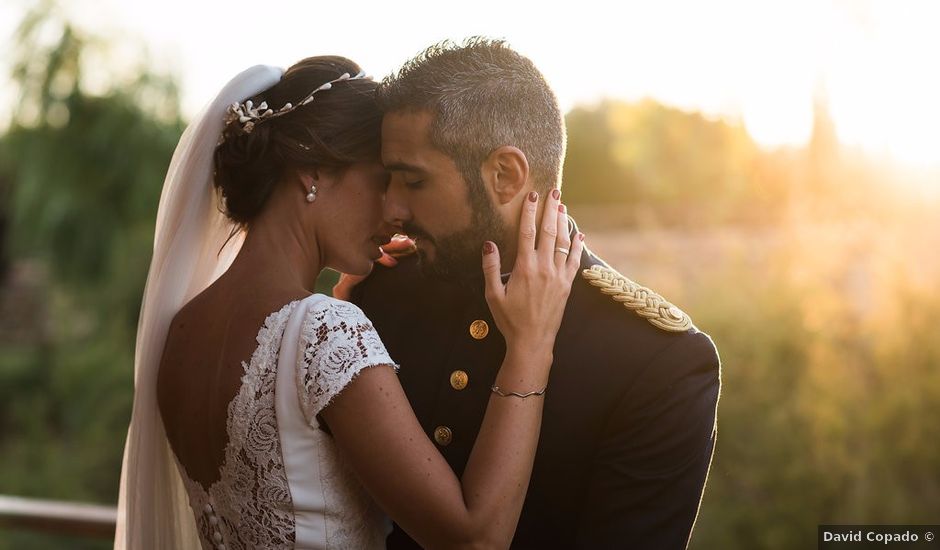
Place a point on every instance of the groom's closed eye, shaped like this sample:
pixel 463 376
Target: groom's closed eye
pixel 408 173
pixel 412 179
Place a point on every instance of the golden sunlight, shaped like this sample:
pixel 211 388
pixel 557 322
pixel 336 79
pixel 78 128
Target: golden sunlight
pixel 764 63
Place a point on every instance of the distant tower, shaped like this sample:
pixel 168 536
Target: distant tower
pixel 823 149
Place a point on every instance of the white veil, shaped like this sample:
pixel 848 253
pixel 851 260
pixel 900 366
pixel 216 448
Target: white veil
pixel 153 508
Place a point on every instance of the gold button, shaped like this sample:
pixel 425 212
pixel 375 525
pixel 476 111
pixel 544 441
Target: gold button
pixel 479 329
pixel 459 379
pixel 443 435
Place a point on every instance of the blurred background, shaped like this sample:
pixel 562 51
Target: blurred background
pixel 772 168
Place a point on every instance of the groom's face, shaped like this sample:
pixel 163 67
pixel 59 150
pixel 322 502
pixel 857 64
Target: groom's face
pixel 429 199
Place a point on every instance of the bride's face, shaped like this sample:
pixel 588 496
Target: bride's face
pixel 354 230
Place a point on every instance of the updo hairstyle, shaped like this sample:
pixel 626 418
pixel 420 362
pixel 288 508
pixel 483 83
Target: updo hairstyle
pixel 341 126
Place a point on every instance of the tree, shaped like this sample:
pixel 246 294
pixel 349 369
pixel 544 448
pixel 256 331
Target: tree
pixel 84 173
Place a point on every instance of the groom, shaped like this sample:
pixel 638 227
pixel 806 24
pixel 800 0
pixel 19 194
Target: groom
pixel 629 420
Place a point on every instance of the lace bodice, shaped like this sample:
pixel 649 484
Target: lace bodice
pixel 282 483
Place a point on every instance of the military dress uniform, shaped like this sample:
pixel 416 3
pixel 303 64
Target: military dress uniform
pixel 629 420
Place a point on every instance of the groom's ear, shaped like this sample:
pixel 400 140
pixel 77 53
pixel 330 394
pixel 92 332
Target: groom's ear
pixel 505 173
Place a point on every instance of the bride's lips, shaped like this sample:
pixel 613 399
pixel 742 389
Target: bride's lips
pixel 381 240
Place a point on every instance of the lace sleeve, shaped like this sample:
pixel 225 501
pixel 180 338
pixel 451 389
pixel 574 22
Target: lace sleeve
pixel 337 341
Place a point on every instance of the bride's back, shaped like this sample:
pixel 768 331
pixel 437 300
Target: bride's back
pixel 266 170
pixel 201 369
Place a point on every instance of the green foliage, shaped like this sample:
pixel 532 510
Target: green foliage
pixel 23 540
pixel 85 174
pixel 828 404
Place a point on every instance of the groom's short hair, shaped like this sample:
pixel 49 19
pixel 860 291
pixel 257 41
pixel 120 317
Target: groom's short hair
pixel 482 95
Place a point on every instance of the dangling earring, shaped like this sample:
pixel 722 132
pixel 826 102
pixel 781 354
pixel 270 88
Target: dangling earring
pixel 312 195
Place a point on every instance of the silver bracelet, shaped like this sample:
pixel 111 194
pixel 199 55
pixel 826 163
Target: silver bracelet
pixel 501 393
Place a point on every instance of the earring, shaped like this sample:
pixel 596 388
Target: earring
pixel 312 195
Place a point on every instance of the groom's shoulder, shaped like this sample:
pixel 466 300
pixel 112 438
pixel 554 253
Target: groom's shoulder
pixel 619 317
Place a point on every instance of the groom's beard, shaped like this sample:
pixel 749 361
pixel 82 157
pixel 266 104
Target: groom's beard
pixel 458 256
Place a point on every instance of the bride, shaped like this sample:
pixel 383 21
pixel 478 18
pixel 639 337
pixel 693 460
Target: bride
pixel 268 416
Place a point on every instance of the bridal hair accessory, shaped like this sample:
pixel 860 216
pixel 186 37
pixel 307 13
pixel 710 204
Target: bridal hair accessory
pixel 248 115
pixel 312 195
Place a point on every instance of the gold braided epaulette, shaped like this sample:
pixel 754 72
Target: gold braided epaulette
pixel 646 303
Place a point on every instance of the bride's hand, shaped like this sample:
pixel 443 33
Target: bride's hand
pixel 528 309
pixel 400 245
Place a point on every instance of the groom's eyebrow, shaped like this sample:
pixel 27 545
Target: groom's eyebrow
pixel 399 166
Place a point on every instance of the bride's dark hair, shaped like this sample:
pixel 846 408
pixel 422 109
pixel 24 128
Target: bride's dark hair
pixel 339 127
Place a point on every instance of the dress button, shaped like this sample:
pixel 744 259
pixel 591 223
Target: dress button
pixel 217 536
pixel 213 520
pixel 459 379
pixel 208 508
pixel 443 436
pixel 479 329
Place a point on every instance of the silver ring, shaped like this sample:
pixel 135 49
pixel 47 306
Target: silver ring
pixel 563 250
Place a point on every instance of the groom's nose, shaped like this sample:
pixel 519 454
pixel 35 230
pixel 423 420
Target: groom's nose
pixel 395 210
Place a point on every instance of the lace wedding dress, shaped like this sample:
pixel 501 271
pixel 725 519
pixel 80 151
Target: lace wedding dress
pixel 282 484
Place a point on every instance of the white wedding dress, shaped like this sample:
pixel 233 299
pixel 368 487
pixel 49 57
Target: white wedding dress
pixel 283 483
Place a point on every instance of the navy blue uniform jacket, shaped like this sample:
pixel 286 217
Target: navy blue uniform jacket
pixel 629 422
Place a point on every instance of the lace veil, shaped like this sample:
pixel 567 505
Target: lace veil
pixel 153 511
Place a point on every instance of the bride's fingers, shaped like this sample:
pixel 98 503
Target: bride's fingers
pixel 400 245
pixel 491 271
pixel 563 241
pixel 527 230
pixel 549 229
pixel 342 290
pixel 387 259
pixel 574 258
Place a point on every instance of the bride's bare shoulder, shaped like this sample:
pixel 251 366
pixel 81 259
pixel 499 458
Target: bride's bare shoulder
pixel 197 316
pixel 217 327
pixel 227 306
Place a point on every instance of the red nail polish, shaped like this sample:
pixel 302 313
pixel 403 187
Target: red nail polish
pixel 581 236
pixel 488 247
pixel 533 196
pixel 556 194
pixel 562 208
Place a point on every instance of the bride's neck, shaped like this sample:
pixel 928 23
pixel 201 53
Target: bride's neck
pixel 278 252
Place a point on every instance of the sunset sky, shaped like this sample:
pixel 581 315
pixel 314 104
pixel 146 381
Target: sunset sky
pixel 761 62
